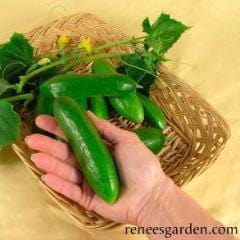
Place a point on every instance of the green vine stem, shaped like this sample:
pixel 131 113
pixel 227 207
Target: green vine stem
pixel 62 61
pixel 27 96
pixel 132 41
pixel 92 58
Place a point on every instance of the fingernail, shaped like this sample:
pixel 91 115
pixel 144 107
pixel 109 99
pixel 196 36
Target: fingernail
pixel 26 139
pixel 33 157
pixel 43 178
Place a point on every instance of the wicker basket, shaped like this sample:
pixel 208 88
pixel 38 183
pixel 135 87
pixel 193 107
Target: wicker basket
pixel 196 132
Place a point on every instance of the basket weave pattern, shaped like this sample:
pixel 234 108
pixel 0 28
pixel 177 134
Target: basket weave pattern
pixel 196 133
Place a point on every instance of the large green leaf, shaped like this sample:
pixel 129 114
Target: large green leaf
pixel 163 33
pixel 9 124
pixel 15 56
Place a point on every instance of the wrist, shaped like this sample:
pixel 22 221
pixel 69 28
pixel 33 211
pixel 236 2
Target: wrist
pixel 153 208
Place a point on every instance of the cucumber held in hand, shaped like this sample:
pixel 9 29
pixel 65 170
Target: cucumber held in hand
pixel 153 138
pixel 153 113
pixel 128 105
pixel 82 86
pixel 44 105
pixel 92 154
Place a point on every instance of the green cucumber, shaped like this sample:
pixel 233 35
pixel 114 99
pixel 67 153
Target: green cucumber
pixel 44 105
pixel 99 107
pixel 92 154
pixel 153 113
pixel 129 105
pixel 153 138
pixel 83 103
pixel 99 103
pixel 82 86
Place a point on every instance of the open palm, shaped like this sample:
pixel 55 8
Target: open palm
pixel 139 169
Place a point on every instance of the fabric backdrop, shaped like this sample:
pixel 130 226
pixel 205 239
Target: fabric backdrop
pixel 207 57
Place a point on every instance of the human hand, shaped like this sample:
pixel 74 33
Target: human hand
pixel 143 182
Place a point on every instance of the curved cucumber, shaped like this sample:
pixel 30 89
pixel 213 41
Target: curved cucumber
pixel 129 105
pixel 99 107
pixel 92 154
pixel 153 138
pixel 83 86
pixel 152 112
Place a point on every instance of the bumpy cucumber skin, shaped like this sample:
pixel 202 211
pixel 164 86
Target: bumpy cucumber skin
pixel 153 113
pixel 99 107
pixel 129 105
pixel 153 138
pixel 92 154
pixel 82 86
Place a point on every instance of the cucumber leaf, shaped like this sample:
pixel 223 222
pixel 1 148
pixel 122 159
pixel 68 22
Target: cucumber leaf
pixel 9 124
pixel 15 56
pixel 163 33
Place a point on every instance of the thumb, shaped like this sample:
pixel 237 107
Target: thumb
pixel 107 130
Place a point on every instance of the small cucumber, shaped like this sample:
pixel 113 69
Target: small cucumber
pixel 44 105
pixel 83 103
pixel 153 138
pixel 82 86
pixel 129 105
pixel 99 107
pixel 153 113
pixel 92 154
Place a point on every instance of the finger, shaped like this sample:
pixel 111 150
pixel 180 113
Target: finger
pixel 49 124
pixel 52 165
pixel 69 190
pixel 108 131
pixel 52 147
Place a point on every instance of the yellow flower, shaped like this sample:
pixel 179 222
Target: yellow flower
pixel 63 41
pixel 44 61
pixel 86 44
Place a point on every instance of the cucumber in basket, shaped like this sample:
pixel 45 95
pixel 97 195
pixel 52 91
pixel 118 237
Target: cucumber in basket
pixel 82 86
pixel 129 105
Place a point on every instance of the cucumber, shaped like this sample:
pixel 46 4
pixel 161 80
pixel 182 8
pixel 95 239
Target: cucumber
pixel 99 107
pixel 99 103
pixel 153 138
pixel 83 103
pixel 153 113
pixel 129 105
pixel 82 86
pixel 44 105
pixel 92 154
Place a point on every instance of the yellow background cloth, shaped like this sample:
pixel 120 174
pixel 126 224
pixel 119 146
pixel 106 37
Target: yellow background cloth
pixel 206 57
